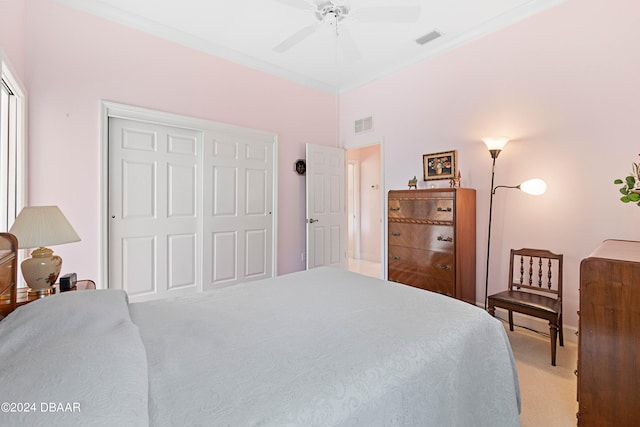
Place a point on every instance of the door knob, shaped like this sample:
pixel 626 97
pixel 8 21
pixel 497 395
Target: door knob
pixel 311 221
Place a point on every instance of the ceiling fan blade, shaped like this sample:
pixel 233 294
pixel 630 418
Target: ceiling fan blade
pixel 298 4
pixel 296 38
pixel 392 14
pixel 348 44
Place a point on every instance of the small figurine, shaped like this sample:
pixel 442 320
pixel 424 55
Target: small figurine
pixel 455 182
pixel 413 183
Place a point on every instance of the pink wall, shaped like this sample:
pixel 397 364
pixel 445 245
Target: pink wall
pixel 74 60
pixel 564 85
pixel 12 22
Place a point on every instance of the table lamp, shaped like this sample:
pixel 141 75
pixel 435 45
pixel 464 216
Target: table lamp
pixel 37 227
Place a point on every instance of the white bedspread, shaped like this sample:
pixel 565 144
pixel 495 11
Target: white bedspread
pixel 326 348
pixel 73 359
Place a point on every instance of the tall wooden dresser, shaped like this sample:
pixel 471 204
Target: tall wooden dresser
pixel 609 336
pixel 432 240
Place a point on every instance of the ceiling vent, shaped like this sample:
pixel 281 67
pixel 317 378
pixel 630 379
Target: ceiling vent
pixel 428 37
pixel 363 125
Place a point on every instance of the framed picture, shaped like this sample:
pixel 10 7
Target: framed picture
pixel 439 165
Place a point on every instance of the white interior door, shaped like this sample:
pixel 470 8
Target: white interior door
pixel 154 187
pixel 325 206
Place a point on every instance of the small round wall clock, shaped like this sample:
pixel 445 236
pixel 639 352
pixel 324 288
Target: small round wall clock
pixel 300 167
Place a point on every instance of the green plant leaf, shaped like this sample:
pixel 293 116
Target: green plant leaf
pixel 630 185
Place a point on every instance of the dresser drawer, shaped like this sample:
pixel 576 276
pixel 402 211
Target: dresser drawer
pixel 431 263
pixel 427 209
pixel 422 236
pixel 422 281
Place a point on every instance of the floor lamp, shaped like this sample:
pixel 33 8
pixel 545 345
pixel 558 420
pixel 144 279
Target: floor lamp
pixel 533 186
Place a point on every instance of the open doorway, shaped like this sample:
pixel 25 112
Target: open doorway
pixel 364 210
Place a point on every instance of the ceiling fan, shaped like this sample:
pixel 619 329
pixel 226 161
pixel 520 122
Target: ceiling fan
pixel 333 12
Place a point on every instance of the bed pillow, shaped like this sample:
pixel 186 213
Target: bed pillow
pixel 73 359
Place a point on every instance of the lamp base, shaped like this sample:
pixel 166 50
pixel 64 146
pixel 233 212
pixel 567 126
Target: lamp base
pixel 41 270
pixel 41 293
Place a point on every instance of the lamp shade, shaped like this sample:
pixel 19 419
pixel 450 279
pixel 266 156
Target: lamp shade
pixel 534 186
pixel 495 142
pixel 38 226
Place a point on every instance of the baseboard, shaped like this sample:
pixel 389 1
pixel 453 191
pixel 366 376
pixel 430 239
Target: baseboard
pixel 370 257
pixel 537 325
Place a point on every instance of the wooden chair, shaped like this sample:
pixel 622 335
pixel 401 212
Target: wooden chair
pixel 8 273
pixel 535 289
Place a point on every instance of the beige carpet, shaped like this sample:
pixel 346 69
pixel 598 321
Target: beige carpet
pixel 548 392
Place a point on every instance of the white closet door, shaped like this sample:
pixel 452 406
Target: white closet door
pixel 238 207
pixel 154 188
pixel 191 203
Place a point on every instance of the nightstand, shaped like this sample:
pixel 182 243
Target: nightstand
pixel 25 297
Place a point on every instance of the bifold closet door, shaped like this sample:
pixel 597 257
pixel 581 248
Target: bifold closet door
pixel 238 207
pixel 154 189
pixel 190 207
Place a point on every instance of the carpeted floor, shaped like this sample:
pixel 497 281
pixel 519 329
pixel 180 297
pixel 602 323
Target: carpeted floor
pixel 548 392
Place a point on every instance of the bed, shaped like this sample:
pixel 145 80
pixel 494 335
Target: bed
pixel 323 347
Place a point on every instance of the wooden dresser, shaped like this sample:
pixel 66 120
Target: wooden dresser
pixel 432 240
pixel 609 336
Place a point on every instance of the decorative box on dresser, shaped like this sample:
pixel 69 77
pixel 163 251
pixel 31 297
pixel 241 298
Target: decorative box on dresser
pixel 609 336
pixel 432 240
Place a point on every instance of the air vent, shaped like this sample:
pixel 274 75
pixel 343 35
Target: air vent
pixel 428 37
pixel 363 125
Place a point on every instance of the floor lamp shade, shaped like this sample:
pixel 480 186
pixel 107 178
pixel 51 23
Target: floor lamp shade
pixel 534 186
pixel 38 227
pixel 495 145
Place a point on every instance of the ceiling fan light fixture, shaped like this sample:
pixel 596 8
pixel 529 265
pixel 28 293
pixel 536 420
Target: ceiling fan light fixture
pixel 335 12
pixel 428 37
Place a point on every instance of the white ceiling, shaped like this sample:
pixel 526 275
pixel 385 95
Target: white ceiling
pixel 246 31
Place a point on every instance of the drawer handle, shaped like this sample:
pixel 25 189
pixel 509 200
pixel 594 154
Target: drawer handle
pixel 448 209
pixel 395 233
pixel 444 267
pixel 392 209
pixel 395 258
pixel 575 372
pixel 445 239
